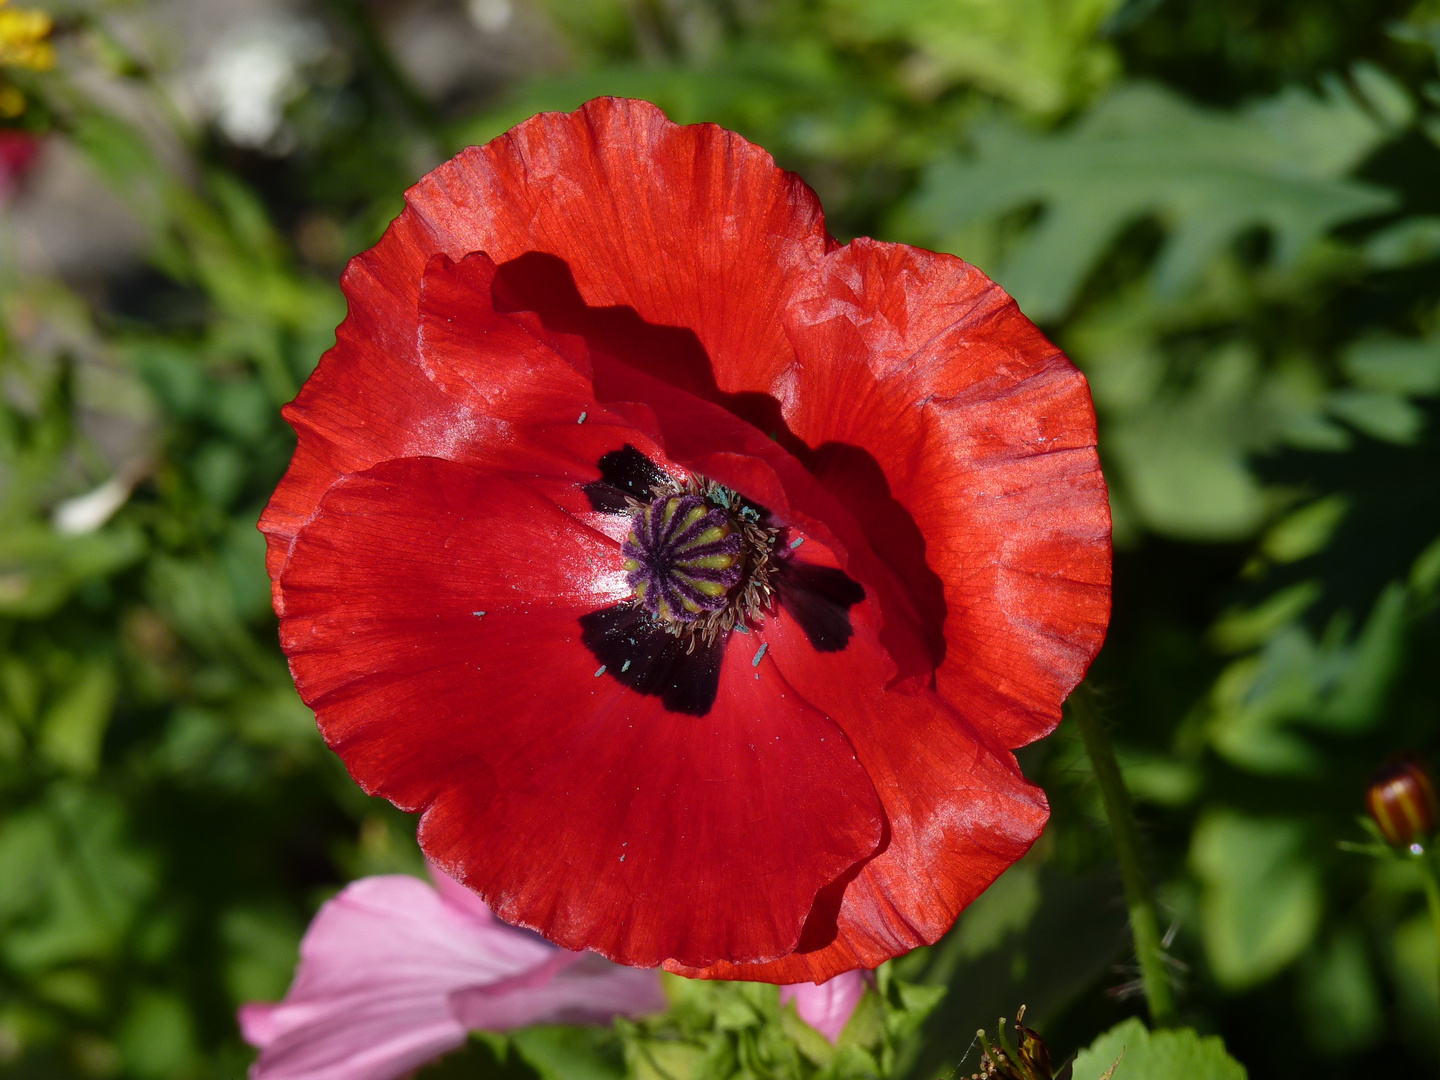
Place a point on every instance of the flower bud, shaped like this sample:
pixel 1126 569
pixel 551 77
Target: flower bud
pixel 1401 799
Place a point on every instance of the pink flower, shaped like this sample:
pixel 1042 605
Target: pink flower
pixel 827 1006
pixel 394 973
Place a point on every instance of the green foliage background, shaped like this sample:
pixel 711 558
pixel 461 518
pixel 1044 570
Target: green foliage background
pixel 1226 211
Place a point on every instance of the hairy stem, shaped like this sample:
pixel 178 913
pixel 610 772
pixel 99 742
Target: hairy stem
pixel 1139 897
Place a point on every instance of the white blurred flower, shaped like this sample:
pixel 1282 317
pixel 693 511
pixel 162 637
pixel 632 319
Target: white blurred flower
pixel 490 16
pixel 254 72
pixel 86 513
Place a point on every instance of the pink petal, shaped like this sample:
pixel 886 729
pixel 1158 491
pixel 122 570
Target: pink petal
pixel 371 999
pixel 827 1006
pixel 458 896
pixel 574 988
pixel 568 988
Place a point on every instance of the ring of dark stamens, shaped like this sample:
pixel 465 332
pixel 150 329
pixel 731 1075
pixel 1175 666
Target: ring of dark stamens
pixel 753 596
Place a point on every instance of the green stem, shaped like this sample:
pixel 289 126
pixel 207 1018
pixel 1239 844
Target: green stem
pixel 1432 896
pixel 1139 897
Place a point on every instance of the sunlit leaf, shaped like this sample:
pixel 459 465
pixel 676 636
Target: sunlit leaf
pixel 1181 1054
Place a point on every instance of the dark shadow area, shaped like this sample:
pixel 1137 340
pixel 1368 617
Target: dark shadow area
pixel 1393 497
pixel 1076 936
pixel 543 284
pixel 854 477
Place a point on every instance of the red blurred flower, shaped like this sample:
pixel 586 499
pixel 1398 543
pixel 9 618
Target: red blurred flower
pixel 18 153
pixel 587 357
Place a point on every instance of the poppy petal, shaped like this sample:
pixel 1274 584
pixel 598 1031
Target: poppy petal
pixel 985 434
pixel 958 811
pixel 424 367
pixel 613 206
pixel 433 623
pixel 368 400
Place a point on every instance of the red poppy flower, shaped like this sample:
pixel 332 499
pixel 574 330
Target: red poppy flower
pixel 691 573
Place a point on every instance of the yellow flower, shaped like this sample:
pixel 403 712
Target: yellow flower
pixel 23 41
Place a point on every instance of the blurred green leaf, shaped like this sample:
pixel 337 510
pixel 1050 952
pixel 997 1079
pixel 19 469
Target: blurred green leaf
pixel 40 569
pixel 262 945
pixel 157 1040
pixel 1339 998
pixel 1188 399
pixel 1183 461
pixel 789 92
pixel 1279 164
pixel 73 727
pixel 1306 531
pixel 815 1046
pixel 75 989
pixel 1414 239
pixel 1004 908
pixel 1159 779
pixel 1401 366
pixel 1333 685
pixel 79 882
pixel 1378 414
pixel 27 858
pixel 1043 55
pixel 570 1053
pixel 910 1005
pixel 1425 574
pixel 1415 957
pixel 1240 629
pixel 1261 897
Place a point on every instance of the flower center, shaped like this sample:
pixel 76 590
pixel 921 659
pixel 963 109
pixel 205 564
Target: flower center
pixel 682 558
pixel 699 558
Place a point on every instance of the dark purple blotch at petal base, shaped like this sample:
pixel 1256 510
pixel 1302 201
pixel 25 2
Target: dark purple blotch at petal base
pixel 819 598
pixel 684 673
pixel 624 472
